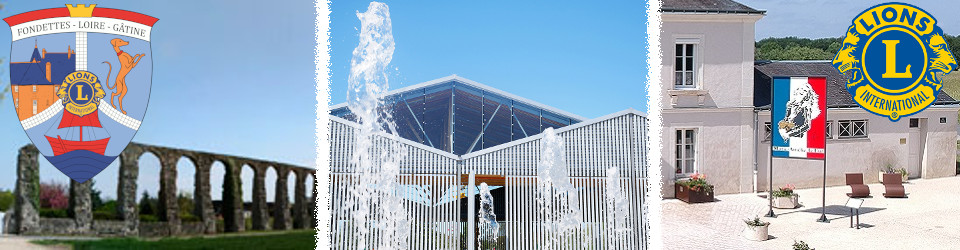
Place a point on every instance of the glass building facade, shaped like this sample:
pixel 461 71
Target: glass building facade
pixel 461 118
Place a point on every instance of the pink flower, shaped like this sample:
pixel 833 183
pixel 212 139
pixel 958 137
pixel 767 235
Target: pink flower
pixel 54 195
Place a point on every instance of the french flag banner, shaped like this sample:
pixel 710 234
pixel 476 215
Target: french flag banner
pixel 799 112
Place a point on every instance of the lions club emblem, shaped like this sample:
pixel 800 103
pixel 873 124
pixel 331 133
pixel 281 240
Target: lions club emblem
pixel 88 93
pixel 80 77
pixel 894 56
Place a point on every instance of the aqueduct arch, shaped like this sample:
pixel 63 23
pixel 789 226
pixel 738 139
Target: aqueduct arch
pixel 26 219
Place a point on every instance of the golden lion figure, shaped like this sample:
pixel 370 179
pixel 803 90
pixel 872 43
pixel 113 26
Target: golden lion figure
pixel 846 59
pixel 941 61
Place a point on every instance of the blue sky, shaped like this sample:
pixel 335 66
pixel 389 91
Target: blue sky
pixel 587 58
pixel 827 18
pixel 231 77
pixel 237 78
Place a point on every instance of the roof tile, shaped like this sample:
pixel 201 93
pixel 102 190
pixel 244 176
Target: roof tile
pixel 707 6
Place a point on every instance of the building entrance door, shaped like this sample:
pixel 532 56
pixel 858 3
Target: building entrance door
pixel 916 144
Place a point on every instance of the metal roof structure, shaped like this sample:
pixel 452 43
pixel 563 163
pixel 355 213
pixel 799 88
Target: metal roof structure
pixel 460 116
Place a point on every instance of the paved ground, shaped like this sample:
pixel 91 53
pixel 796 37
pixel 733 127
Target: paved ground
pixel 928 219
pixel 17 242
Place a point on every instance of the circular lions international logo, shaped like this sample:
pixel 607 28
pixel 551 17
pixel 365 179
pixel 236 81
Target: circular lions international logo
pixel 81 93
pixel 894 56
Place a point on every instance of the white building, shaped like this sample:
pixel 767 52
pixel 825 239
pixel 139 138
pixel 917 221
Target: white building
pixel 459 133
pixel 716 115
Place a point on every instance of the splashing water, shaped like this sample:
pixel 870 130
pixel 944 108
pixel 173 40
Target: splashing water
pixel 377 208
pixel 489 228
pixel 556 196
pixel 617 207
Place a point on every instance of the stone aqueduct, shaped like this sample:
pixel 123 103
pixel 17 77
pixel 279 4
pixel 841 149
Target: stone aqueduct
pixel 298 215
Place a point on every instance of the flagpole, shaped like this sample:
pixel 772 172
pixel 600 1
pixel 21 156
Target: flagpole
pixel 823 207
pixel 770 191
pixel 823 196
pixel 770 182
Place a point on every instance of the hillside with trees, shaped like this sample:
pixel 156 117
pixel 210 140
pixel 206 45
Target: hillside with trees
pixel 795 48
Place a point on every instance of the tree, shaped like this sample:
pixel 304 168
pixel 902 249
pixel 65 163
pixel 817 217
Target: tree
pixel 794 48
pixel 147 204
pixel 6 200
pixel 185 200
pixel 6 87
pixel 954 43
pixel 53 195
pixel 95 199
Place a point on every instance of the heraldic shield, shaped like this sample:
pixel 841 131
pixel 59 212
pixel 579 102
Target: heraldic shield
pixel 80 79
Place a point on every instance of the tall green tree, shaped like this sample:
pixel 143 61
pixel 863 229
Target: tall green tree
pixel 95 199
pixel 6 200
pixel 147 204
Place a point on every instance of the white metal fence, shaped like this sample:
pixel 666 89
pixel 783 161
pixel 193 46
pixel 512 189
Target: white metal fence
pixel 434 180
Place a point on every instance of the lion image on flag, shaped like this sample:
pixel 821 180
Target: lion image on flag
pixel 801 110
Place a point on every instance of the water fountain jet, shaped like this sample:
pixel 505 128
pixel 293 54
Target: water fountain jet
pixel 489 228
pixel 377 208
pixel 558 201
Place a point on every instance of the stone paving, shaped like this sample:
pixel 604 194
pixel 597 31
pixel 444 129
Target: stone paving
pixel 928 219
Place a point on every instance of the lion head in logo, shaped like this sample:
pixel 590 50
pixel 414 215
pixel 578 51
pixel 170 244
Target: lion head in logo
pixel 844 61
pixel 801 110
pixel 941 60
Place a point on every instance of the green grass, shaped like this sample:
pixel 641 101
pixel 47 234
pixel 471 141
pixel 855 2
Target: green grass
pixel 288 240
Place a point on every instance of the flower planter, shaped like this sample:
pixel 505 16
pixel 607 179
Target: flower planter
pixel 758 233
pixel 789 202
pixel 690 196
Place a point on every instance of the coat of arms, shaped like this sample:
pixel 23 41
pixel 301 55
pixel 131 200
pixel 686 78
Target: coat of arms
pixel 81 82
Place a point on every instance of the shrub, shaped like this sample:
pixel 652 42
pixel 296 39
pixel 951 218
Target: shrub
pixel 903 172
pixel 108 206
pixel 801 246
pixel 54 213
pixel 104 215
pixel 148 218
pixel 756 222
pixel 188 217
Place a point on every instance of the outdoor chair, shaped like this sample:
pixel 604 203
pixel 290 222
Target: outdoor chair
pixel 857 188
pixel 894 186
